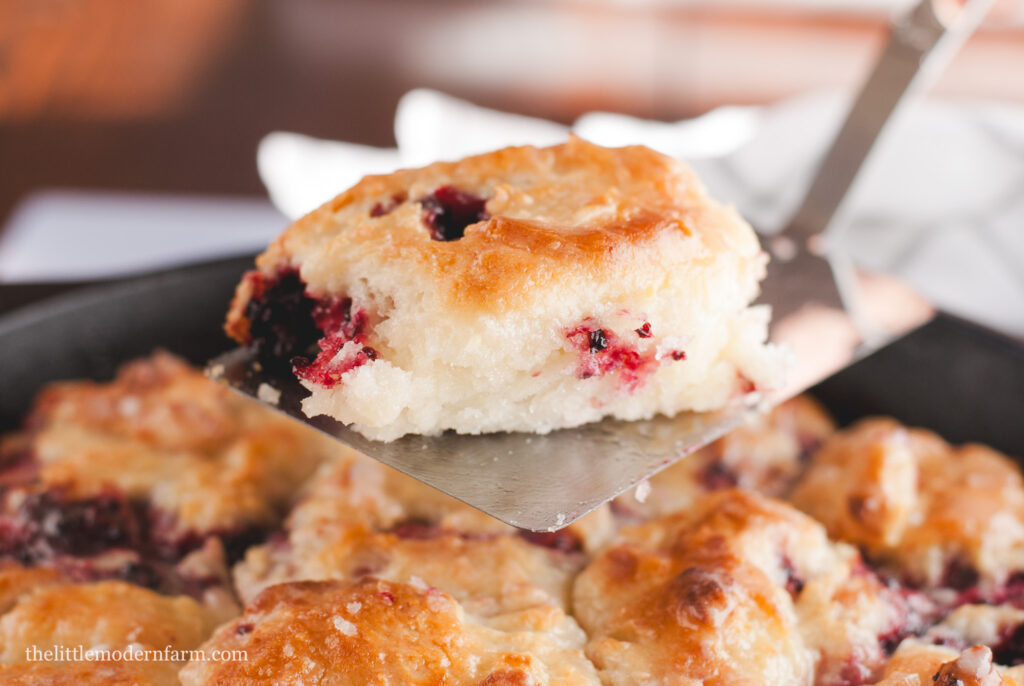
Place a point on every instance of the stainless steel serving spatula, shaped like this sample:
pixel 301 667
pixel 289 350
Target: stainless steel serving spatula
pixel 828 313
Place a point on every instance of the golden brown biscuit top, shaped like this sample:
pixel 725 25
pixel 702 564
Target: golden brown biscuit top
pixel 765 455
pixel 93 673
pixel 360 518
pixel 939 515
pixel 573 211
pixel 44 611
pixel 738 590
pixel 111 614
pixel 161 432
pixel 336 632
pixel 924 664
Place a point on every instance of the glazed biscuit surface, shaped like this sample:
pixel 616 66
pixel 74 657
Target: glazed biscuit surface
pixel 162 431
pixel 767 454
pixel 45 617
pixel 937 515
pixel 359 518
pixel 378 632
pixel 738 589
pixel 553 218
pixel 160 477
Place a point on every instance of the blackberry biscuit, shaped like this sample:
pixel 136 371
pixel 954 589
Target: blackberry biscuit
pixel 521 290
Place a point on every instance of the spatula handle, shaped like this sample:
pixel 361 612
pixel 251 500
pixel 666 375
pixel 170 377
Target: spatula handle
pixel 920 45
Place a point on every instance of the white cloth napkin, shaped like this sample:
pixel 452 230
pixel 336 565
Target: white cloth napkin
pixel 939 204
pixel 69 235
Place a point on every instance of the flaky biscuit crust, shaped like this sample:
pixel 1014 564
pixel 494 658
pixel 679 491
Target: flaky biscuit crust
pixel 164 433
pixel 43 610
pixel 360 518
pixel 927 664
pixel 767 455
pixel 337 632
pixel 938 515
pixel 575 212
pixel 737 590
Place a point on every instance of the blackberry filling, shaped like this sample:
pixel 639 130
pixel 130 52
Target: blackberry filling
pixel 1010 649
pixel 794 582
pixel 109 537
pixel 281 322
pixel 602 352
pixel 47 525
pixel 717 476
pixel 416 529
pixel 960 575
pixel 329 365
pixel 165 544
pixel 388 206
pixel 289 330
pixel 916 612
pixel 448 211
pixel 598 341
pixel 1010 593
pixel 337 318
pixel 564 541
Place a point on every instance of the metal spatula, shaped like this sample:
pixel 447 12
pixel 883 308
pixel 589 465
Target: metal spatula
pixel 826 312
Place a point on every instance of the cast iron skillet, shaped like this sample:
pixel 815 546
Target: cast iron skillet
pixel 955 378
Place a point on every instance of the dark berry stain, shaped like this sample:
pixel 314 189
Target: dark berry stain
pixel 328 367
pixel 448 211
pixel 47 523
pixel 564 541
pixel 945 678
pixel 963 577
pixel 794 582
pixel 280 315
pixel 421 529
pixel 1010 648
pixel 717 476
pixel 416 529
pixel 960 575
pixel 915 612
pixel 336 317
pixel 387 206
pixel 891 640
pixel 602 352
pixel 76 535
pixel 289 329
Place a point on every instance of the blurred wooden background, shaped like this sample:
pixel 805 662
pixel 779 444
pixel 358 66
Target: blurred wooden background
pixel 173 95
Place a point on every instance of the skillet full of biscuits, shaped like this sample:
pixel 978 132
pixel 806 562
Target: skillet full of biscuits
pixel 152 511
